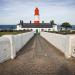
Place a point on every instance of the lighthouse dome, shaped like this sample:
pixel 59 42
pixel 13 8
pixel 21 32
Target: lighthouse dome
pixel 36 11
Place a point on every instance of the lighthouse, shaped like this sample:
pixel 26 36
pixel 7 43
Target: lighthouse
pixel 36 16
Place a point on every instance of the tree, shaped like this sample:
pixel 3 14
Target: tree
pixel 52 23
pixel 66 25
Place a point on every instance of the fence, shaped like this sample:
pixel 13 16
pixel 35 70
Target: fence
pixel 11 44
pixel 65 43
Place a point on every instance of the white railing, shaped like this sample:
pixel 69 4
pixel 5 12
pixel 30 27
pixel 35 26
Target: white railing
pixel 11 44
pixel 65 43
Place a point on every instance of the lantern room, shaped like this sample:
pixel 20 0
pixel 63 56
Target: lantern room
pixel 36 11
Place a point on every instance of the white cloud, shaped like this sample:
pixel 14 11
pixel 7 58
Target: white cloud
pixel 49 9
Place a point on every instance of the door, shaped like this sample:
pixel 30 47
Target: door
pixel 36 31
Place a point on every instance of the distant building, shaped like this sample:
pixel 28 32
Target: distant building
pixel 36 26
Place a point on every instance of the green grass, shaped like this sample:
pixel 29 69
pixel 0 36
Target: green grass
pixel 63 32
pixel 11 32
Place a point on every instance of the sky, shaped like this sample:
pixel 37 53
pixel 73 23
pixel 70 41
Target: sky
pixel 12 11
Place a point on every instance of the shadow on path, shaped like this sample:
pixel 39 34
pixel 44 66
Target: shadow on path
pixel 64 70
pixel 27 48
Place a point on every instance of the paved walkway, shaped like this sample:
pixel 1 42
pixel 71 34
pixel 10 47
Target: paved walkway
pixel 38 57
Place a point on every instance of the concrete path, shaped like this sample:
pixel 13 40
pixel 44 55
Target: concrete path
pixel 38 57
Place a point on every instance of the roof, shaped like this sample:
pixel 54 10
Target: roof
pixel 32 25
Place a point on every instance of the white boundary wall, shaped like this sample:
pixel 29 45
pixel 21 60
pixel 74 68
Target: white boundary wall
pixel 11 44
pixel 65 43
pixel 72 44
pixel 4 49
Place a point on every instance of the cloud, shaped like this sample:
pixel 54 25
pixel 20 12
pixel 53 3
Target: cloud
pixel 43 1
pixel 14 10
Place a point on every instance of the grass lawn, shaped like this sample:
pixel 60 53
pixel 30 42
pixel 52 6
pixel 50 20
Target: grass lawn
pixel 11 33
pixel 62 32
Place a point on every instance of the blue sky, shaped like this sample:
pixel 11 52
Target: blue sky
pixel 11 11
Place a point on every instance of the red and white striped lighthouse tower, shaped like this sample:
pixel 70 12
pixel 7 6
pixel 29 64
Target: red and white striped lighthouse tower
pixel 36 16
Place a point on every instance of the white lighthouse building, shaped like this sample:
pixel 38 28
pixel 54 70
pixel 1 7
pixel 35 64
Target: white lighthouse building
pixel 36 26
pixel 36 16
